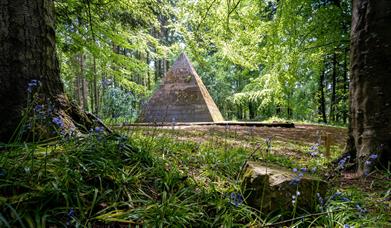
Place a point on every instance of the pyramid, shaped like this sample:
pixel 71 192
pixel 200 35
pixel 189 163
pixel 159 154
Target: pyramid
pixel 182 97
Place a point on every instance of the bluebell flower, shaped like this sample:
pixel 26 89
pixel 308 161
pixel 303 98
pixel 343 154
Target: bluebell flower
pixel 38 108
pixel 360 209
pixel 346 226
pixel 320 199
pixel 294 170
pixel 99 129
pixel 304 169
pixel 314 150
pixel 32 84
pixel 236 199
pixel 313 170
pixel 345 199
pixel 58 121
pixel 314 147
pixel 70 216
pixel 314 154
pixel 296 179
pixel 341 163
pixel 335 195
pixel 373 156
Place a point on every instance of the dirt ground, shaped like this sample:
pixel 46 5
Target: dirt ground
pixel 291 142
pixel 303 133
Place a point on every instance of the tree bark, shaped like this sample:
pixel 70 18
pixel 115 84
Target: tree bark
pixel 370 93
pixel 333 90
pixel 27 52
pixel 96 89
pixel 322 101
pixel 345 86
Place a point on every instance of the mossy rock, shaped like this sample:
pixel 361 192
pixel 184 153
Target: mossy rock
pixel 268 188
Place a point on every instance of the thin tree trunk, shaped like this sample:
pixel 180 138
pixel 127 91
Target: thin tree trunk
pixel 96 90
pixel 345 86
pixel 148 72
pixel 84 84
pixel 322 101
pixel 333 92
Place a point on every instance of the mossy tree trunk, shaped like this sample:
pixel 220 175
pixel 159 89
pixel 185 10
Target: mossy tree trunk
pixel 28 52
pixel 370 88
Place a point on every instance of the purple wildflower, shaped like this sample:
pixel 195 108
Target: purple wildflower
pixel 70 216
pixel 38 108
pixel 360 209
pixel 314 150
pixel 320 199
pixel 58 121
pixel 236 199
pixel 341 163
pixel 31 85
pixel 335 195
pixel 99 129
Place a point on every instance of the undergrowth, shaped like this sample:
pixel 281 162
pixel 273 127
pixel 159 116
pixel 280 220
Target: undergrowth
pixel 155 180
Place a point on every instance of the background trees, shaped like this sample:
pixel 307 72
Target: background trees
pixel 258 59
pixel 280 58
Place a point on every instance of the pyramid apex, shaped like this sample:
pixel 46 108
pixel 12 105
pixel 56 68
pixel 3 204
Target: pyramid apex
pixel 183 56
pixel 182 62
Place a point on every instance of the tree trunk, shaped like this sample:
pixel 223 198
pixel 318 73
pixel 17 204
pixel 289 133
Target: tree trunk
pixel 370 93
pixel 333 90
pixel 322 101
pixel 96 91
pixel 345 86
pixel 27 52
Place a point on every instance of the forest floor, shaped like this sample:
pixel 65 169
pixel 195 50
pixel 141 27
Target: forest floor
pixel 290 147
pixel 293 143
pixel 181 176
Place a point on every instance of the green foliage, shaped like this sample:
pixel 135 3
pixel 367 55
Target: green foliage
pixel 118 103
pixel 269 53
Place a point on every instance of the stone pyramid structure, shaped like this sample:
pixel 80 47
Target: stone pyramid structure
pixel 182 97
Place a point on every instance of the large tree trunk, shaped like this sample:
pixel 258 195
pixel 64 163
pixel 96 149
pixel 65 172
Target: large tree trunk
pixel 27 52
pixel 370 93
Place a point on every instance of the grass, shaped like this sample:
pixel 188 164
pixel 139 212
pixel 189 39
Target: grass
pixel 161 177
